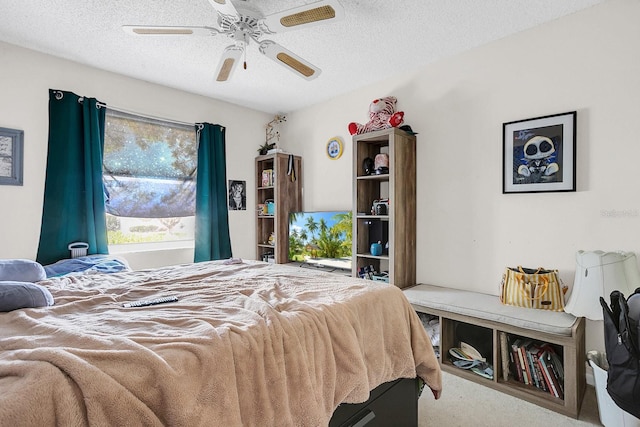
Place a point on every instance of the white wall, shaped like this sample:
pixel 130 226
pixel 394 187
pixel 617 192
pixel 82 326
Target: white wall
pixel 467 230
pixel 25 79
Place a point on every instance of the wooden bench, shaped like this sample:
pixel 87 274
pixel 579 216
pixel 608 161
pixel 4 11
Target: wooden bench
pixel 561 329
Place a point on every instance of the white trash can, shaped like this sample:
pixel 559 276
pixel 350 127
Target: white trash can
pixel 611 415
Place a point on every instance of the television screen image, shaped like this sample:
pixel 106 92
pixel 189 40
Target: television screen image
pixel 322 238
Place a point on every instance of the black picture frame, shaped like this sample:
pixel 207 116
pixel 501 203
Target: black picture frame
pixel 539 154
pixel 11 156
pixel 237 195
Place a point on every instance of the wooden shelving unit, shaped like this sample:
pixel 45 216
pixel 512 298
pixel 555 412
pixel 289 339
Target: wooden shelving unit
pixel 286 194
pixel 398 226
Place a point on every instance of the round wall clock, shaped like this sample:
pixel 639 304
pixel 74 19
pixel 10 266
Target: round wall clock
pixel 334 148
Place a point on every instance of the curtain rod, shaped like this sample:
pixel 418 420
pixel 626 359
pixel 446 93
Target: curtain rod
pixel 147 116
pixel 134 113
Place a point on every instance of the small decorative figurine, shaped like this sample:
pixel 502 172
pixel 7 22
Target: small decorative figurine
pixel 271 133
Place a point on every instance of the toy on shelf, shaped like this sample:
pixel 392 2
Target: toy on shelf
pixel 382 115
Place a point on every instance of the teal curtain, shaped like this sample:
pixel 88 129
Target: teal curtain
pixel 212 239
pixel 74 200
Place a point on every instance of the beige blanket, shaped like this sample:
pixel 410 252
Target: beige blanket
pixel 249 344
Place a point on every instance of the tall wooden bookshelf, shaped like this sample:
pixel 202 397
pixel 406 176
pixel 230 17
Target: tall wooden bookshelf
pixel 398 226
pixel 285 192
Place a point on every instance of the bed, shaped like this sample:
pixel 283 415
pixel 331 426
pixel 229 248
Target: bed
pixel 247 344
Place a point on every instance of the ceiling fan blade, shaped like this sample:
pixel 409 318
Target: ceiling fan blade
pixel 225 8
pixel 149 30
pixel 293 62
pixel 304 16
pixel 228 62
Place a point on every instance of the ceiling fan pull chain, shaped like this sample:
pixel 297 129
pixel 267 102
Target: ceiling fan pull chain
pixel 244 36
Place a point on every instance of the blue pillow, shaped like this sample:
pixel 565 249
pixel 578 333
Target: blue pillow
pixel 21 270
pixel 15 295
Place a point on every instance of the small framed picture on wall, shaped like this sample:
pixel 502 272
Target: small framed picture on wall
pixel 237 195
pixel 539 154
pixel 11 151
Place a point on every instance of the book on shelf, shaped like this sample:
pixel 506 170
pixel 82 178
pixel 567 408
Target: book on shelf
pixel 525 362
pixel 549 376
pixel 536 352
pixel 517 365
pixel 557 363
pixel 554 364
pixel 268 177
pixel 532 367
pixel 556 376
pixel 546 377
pixel 504 352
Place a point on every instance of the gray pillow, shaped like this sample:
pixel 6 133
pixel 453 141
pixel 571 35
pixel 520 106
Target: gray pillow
pixel 21 270
pixel 15 295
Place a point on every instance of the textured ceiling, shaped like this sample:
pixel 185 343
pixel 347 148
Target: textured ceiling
pixel 375 40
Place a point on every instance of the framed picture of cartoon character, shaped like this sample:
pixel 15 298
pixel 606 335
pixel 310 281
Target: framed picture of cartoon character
pixel 539 154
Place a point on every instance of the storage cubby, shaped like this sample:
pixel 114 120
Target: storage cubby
pixel 533 363
pixel 456 333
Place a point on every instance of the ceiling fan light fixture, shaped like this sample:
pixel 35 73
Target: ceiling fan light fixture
pixel 308 16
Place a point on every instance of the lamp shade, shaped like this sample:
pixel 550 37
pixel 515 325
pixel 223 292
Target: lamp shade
pixel 599 273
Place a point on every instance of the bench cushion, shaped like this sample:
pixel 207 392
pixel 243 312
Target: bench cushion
pixel 488 307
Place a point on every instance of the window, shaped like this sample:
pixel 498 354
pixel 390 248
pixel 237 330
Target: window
pixel 149 169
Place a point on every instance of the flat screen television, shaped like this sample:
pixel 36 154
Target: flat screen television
pixel 321 239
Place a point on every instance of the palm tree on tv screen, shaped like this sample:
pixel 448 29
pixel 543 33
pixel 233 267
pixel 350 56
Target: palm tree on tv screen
pixel 328 242
pixel 311 225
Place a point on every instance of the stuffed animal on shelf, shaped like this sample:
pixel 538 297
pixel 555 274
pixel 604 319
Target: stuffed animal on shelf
pixel 382 115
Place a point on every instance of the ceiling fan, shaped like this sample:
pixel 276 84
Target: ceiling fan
pixel 242 24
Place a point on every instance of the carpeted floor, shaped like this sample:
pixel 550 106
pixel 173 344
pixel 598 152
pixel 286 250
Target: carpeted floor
pixel 465 404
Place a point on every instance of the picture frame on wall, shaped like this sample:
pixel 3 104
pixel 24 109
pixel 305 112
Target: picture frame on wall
pixel 237 195
pixel 11 152
pixel 539 154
